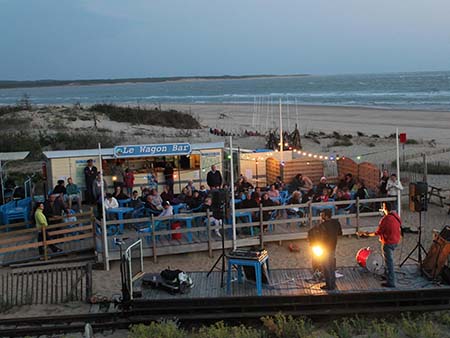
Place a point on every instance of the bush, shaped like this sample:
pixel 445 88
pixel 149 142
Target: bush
pixel 412 141
pixel 286 327
pixel 163 329
pixel 170 118
pixel 220 330
pixel 360 133
pixel 345 142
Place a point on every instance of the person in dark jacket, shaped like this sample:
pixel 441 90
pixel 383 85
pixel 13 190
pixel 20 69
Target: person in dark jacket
pixel 168 176
pixel 214 178
pixel 90 174
pixel 329 230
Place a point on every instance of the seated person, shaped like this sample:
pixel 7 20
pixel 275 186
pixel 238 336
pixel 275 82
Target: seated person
pixel 190 186
pixel 145 191
pixel 149 205
pixel 110 202
pixel 300 182
pixel 295 199
pixel 243 185
pixel 322 185
pixel 59 188
pixel 156 200
pixel 203 191
pixel 249 202
pixel 167 194
pixel 349 181
pixel 361 190
pixel 279 184
pixel 167 209
pixel 323 197
pixel 273 192
pixel 343 195
pixel 216 217
pixel 195 201
pixel 72 193
pixel 267 202
pixel 119 194
pixel 136 202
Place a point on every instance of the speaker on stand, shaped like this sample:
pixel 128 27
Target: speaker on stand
pixel 418 203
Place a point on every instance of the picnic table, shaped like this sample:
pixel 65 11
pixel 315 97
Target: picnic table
pixel 436 192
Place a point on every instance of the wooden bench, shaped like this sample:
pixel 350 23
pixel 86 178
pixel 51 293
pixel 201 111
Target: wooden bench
pixel 437 192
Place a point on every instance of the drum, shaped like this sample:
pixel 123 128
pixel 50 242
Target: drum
pixel 370 260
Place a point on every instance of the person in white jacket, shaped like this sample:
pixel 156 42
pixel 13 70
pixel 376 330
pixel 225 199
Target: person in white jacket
pixel 393 186
pixel 110 202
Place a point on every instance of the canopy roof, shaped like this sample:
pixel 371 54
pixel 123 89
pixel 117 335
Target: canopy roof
pixel 13 156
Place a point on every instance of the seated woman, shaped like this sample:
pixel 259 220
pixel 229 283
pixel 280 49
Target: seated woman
pixel 295 199
pixel 119 194
pixel 195 201
pixel 156 200
pixel 166 194
pixel 267 202
pixel 343 195
pixel 323 197
pixel 273 192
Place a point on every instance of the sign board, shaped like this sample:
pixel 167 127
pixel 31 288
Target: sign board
pixel 147 150
pixel 402 137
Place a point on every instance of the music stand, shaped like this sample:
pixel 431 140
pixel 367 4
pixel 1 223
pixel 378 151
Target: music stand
pixel 418 246
pixel 222 255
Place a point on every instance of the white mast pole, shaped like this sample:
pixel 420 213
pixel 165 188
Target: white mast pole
pixel 102 191
pixel 233 211
pixel 399 208
pixel 281 136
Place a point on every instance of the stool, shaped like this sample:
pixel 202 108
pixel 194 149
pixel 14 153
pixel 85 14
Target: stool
pixel 239 262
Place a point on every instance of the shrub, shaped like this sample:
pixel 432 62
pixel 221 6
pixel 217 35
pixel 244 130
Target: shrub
pixel 170 118
pixel 220 330
pixel 163 329
pixel 360 133
pixel 345 142
pixel 412 141
pixel 286 327
pixel 384 329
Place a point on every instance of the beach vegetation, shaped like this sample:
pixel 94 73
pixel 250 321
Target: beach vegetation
pixel 412 141
pixel 360 134
pixel 343 142
pixel 155 116
pixel 162 329
pixel 376 136
pixel 433 168
pixel 282 326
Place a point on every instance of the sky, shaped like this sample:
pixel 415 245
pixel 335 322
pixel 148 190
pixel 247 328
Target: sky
pixel 86 39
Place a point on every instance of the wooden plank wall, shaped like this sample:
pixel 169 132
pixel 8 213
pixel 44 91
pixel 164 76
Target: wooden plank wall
pixel 347 165
pixel 370 174
pixel 312 168
pixel 366 171
pixel 272 169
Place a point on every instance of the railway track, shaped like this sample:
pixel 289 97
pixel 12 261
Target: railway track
pixel 203 311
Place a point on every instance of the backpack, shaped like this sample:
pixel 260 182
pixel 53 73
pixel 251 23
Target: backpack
pixel 178 280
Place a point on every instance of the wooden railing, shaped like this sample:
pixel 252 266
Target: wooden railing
pixel 152 239
pixel 21 237
pixel 50 285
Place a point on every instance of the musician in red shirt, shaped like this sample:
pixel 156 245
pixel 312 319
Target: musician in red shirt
pixel 389 231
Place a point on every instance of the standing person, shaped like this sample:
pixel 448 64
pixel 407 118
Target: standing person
pixel 389 231
pixel 41 222
pixel 129 181
pixel 329 230
pixel 214 178
pixel 382 191
pixel 168 176
pixel 118 174
pixel 90 173
pixel 393 186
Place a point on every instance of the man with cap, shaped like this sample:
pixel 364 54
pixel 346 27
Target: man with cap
pixel 90 173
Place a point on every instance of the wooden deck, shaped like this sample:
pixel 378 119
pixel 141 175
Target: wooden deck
pixel 297 282
pixel 294 291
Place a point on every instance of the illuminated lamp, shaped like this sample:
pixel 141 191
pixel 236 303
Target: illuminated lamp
pixel 315 156
pixel 114 178
pixel 317 250
pixel 309 155
pixel 358 157
pixel 321 157
pixel 304 154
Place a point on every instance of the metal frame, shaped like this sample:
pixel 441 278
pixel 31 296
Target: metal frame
pixel 131 279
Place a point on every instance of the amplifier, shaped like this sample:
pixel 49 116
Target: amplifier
pixel 248 254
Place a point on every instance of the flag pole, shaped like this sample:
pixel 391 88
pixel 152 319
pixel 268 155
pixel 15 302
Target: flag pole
pixel 102 191
pixel 233 211
pixel 399 207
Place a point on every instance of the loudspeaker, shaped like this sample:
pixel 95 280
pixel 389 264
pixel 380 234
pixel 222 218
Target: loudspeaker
pixel 418 196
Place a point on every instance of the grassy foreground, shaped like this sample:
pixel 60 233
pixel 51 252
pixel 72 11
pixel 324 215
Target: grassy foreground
pixel 429 325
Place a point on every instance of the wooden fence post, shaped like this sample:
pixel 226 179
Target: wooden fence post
pixel 44 242
pixel 152 224
pixel 208 232
pixel 261 227
pixel 88 282
pixel 310 214
pixel 357 214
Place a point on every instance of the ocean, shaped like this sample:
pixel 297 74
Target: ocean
pixel 419 91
